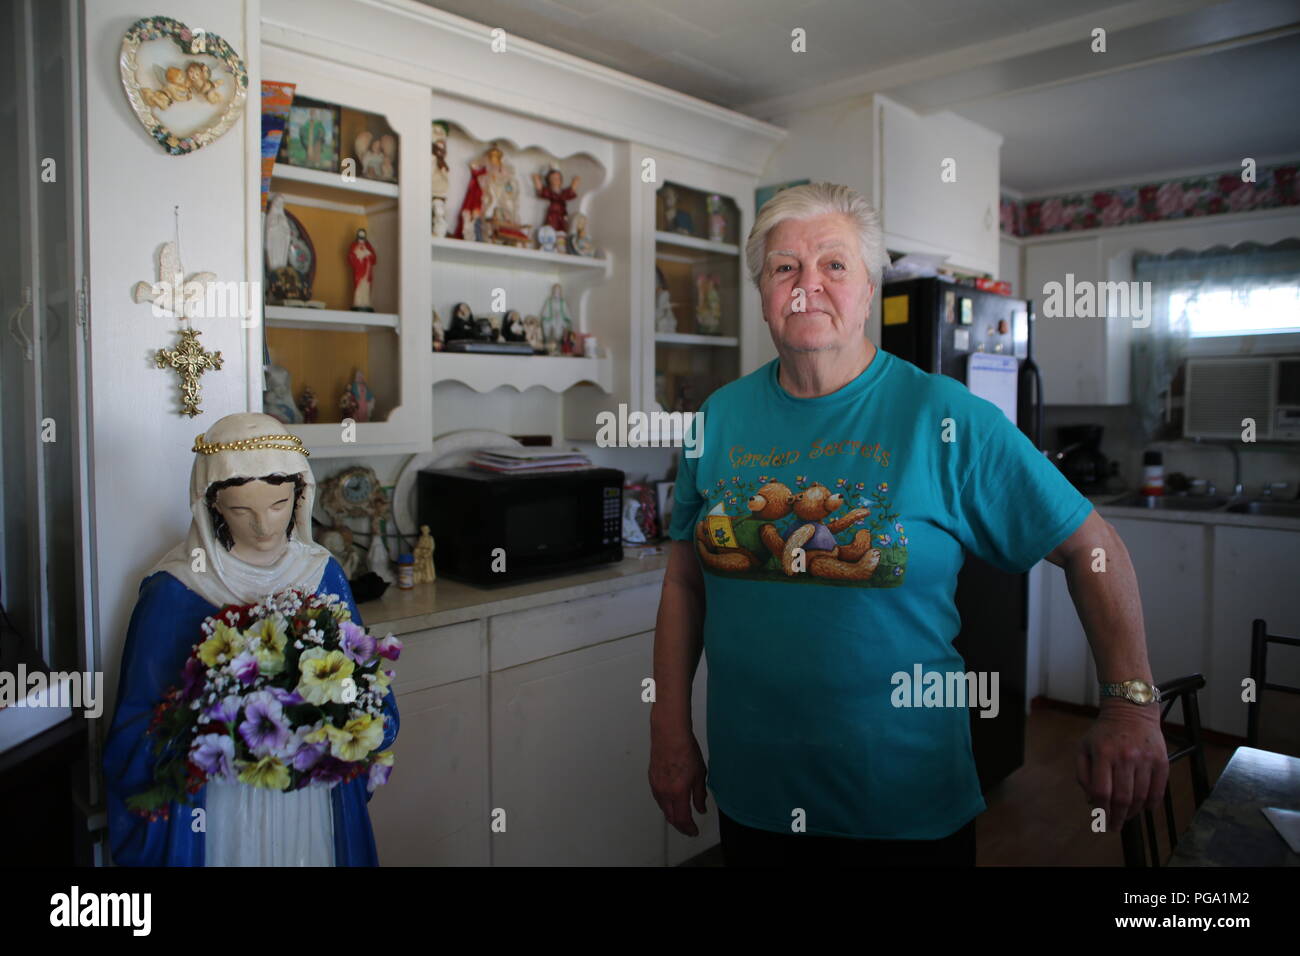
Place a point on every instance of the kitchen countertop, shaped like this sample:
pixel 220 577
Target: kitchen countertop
pixel 449 602
pixel 1106 507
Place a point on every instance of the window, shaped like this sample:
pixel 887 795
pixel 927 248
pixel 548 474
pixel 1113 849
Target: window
pixel 1257 310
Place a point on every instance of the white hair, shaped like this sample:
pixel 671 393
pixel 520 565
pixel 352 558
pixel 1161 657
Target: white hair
pixel 819 199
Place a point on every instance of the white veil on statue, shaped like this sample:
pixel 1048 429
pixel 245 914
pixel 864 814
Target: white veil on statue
pixel 245 445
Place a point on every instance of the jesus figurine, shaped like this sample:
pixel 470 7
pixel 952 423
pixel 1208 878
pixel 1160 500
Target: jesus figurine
pixel 361 257
pixel 251 494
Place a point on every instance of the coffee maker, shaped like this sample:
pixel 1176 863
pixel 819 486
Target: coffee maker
pixel 1080 458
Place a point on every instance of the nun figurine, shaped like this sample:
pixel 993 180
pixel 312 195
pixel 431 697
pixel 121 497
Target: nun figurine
pixel 251 495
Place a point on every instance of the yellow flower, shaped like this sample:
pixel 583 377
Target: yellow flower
pixel 268 772
pixel 384 757
pixel 381 682
pixel 225 644
pixel 266 639
pixel 324 674
pixel 355 739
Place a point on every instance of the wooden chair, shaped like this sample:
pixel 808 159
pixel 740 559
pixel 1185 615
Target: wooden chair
pixel 1189 745
pixel 1259 641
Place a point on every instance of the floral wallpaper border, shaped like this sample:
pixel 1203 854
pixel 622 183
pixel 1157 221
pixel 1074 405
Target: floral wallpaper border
pixel 1151 202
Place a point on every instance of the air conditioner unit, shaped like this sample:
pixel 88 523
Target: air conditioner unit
pixel 1224 392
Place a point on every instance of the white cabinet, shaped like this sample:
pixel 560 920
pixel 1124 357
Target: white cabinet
pixel 939 185
pixel 1083 358
pixel 681 847
pixel 1254 577
pixel 570 753
pixel 1170 561
pixel 1069 670
pixel 898 160
pixel 433 810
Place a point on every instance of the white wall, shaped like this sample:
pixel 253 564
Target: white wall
pixel 140 444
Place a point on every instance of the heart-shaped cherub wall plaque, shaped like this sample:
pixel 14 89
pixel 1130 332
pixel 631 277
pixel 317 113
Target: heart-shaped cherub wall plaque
pixel 187 86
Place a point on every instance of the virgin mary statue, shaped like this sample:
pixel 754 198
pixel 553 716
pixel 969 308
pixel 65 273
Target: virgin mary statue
pixel 251 494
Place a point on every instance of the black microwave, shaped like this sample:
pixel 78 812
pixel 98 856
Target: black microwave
pixel 491 528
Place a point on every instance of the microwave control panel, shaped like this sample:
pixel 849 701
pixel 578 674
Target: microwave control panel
pixel 612 517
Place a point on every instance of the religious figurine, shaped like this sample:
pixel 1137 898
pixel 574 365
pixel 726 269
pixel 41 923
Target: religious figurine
pixel 676 220
pixel 377 156
pixel 380 562
pixel 244 542
pixel 358 402
pixel 708 306
pixel 462 323
pixel 424 570
pixel 632 533
pixel 665 319
pixel 555 319
pixel 438 342
pixel 569 343
pixel 533 333
pixel 339 542
pixel 493 195
pixel 546 238
pixel 361 257
pixel 307 405
pixel 717 221
pixel 485 329
pixel 512 328
pixel 440 179
pixel 579 243
pixel 288 257
pixel 557 197
pixel 277 398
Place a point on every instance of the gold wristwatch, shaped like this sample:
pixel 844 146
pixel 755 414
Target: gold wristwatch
pixel 1135 691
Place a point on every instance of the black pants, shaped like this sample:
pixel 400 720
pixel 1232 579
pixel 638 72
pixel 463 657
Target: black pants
pixel 747 846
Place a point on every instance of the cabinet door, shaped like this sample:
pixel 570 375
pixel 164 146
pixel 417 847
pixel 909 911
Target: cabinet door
pixel 680 846
pixel 939 186
pixel 1169 559
pixel 1254 577
pixel 1070 351
pixel 570 752
pixel 1069 669
pixel 433 810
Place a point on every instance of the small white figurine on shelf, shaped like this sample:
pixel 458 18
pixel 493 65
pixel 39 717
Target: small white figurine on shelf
pixel 632 533
pixel 555 320
pixel 546 239
pixel 665 319
pixel 708 306
pixel 580 243
pixel 380 563
pixel 440 179
pixel 424 570
pixel 717 220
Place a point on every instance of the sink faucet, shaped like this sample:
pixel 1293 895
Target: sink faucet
pixel 1237 487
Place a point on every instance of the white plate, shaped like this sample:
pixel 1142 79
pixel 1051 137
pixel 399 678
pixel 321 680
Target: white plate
pixel 449 451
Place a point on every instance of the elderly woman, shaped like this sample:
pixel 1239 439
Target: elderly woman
pixel 817 540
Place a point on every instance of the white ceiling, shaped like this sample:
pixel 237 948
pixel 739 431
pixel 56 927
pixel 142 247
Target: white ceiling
pixel 1185 84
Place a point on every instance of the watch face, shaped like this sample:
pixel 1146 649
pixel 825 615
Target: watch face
pixel 1140 692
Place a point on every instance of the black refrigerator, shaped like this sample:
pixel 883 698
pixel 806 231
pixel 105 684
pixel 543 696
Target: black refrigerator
pixel 983 340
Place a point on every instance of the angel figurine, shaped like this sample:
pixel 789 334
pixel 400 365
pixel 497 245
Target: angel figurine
pixel 557 197
pixel 358 402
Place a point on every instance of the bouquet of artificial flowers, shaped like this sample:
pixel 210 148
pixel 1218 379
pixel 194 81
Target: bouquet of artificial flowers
pixel 281 694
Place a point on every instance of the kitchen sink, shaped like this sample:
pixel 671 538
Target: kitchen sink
pixel 1281 509
pixel 1174 502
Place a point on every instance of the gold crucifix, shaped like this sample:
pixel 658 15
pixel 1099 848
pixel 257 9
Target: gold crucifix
pixel 189 359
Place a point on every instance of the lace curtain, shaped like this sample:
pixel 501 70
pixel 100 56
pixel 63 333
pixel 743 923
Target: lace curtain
pixel 1177 280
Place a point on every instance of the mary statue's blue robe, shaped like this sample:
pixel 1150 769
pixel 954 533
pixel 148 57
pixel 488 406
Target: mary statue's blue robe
pixel 164 627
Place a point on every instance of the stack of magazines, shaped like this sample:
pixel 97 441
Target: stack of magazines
pixel 528 460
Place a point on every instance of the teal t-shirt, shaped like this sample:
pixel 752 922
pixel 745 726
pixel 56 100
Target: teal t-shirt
pixel 835 528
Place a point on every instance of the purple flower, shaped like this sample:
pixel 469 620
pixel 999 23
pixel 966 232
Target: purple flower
pixel 389 647
pixel 286 698
pixel 379 774
pixel 224 710
pixel 214 755
pixel 356 643
pixel 192 678
pixel 244 667
pixel 309 755
pixel 329 770
pixel 264 728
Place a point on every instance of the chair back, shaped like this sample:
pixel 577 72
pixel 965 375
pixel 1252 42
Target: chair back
pixel 1260 639
pixel 1138 835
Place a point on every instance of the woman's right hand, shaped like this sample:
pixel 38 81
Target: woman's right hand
pixel 677 774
